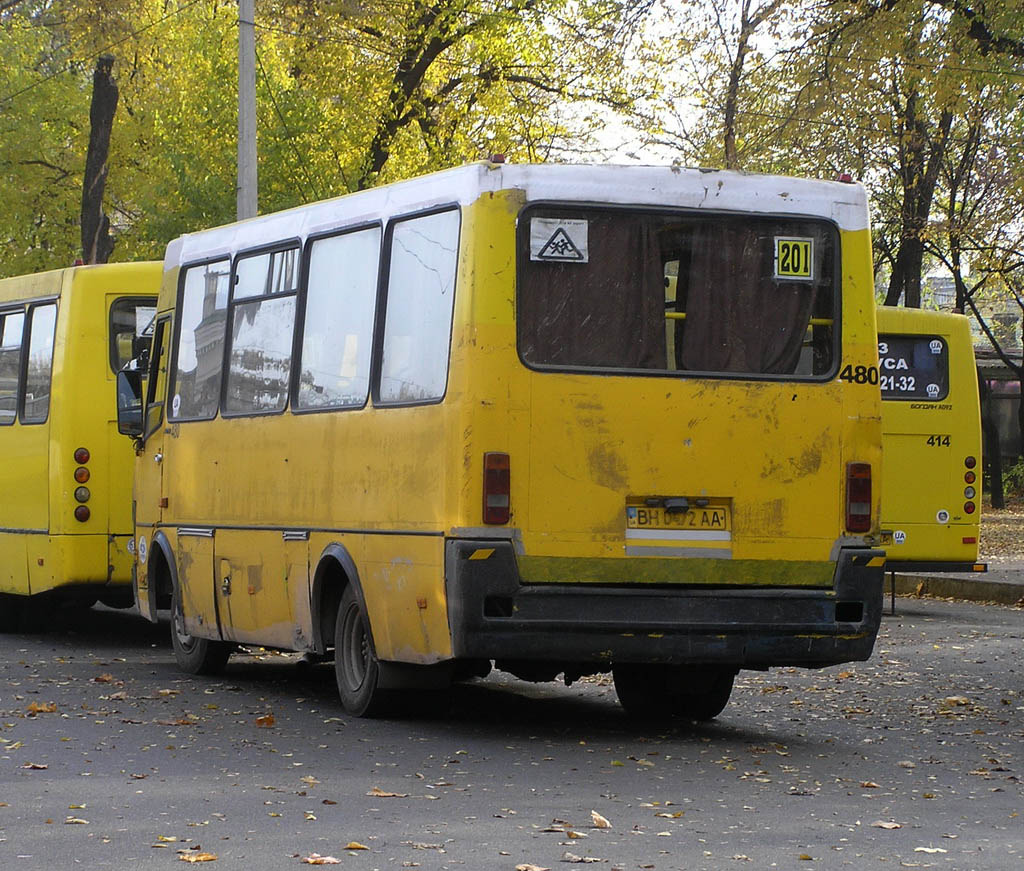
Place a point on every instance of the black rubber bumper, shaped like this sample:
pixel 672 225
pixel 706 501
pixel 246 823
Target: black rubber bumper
pixel 493 615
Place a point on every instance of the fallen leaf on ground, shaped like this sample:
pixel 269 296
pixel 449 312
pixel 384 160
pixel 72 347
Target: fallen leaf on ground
pixel 172 693
pixel 377 792
pixel 103 678
pixel 599 821
pixel 75 821
pixel 197 857
pixel 35 766
pixel 266 721
pixel 929 850
pixel 526 866
pixel 579 860
pixel 869 784
pixel 309 780
pixel 42 707
pixel 355 845
pixel 882 824
pixel 317 859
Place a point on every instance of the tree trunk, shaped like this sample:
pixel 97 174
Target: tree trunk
pixel 993 455
pixel 97 244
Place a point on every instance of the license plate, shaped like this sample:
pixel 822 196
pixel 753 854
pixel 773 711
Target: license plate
pixel 710 518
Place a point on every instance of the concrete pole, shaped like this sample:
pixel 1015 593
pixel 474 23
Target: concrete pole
pixel 247 184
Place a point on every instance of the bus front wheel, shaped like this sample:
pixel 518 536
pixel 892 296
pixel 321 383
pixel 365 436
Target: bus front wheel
pixel 195 655
pixel 355 664
pixel 673 691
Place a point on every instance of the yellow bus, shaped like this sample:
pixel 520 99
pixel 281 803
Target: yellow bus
pixel 65 474
pixel 558 419
pixel 931 441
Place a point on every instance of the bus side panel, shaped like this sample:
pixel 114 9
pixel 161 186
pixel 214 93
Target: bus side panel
pixel 13 563
pixel 66 560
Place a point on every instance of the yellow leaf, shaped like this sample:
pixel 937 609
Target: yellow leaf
pixel 167 839
pixel 76 807
pixel 526 866
pixel 309 779
pixel 804 857
pixel 75 821
pixel 310 816
pixel 103 678
pixel 317 859
pixel 377 792
pixel 42 707
pixel 599 821
pixel 266 721
pixel 868 784
pixel 197 857
pixel 355 845
pixel 882 824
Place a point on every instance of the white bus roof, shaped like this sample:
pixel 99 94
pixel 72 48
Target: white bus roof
pixel 657 186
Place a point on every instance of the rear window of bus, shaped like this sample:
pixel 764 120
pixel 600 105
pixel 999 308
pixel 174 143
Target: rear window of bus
pixel 913 367
pixel 671 293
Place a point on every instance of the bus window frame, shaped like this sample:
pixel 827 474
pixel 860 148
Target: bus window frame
pixel 919 337
pixel 522 258
pixel 27 335
pixel 380 317
pixel 172 375
pixel 300 317
pixel 274 247
pixel 160 331
pixel 19 307
pixel 110 326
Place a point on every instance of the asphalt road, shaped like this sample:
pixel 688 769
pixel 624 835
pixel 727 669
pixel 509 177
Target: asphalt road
pixel 111 758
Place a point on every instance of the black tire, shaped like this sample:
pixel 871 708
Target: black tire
pixel 356 668
pixel 195 655
pixel 10 612
pixel 673 692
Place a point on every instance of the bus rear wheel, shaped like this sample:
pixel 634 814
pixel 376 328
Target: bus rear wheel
pixel 673 691
pixel 355 664
pixel 195 655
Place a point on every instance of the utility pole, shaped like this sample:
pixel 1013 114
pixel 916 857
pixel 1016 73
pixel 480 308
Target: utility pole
pixel 247 185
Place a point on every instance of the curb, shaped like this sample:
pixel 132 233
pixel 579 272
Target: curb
pixel 972 589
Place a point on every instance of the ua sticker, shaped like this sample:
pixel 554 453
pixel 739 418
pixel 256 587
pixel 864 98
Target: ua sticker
pixel 142 548
pixel 899 537
pixel 559 240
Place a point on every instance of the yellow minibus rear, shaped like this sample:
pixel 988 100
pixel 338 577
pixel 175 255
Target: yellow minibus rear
pixel 931 441
pixel 65 474
pixel 558 419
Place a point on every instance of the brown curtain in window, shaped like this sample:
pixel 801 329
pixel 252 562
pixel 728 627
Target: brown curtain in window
pixel 739 318
pixel 609 312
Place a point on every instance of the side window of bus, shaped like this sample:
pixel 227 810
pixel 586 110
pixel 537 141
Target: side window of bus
pixel 42 321
pixel 341 294
pixel 131 332
pixel 157 386
pixel 262 324
pixel 199 357
pixel 418 308
pixel 12 326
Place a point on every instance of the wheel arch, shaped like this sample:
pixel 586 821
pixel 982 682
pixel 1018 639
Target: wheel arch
pixel 335 571
pixel 161 584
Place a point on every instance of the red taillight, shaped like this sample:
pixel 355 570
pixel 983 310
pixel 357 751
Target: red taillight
pixel 81 456
pixel 496 487
pixel 858 497
pixel 82 513
pixel 970 462
pixel 969 507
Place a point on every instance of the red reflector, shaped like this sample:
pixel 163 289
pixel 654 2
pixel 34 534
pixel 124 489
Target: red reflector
pixel 969 507
pixel 970 462
pixel 858 497
pixel 970 539
pixel 82 513
pixel 81 456
pixel 497 480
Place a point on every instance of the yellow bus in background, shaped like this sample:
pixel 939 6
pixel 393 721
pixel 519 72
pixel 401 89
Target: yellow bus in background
pixel 65 474
pixel 931 438
pixel 561 419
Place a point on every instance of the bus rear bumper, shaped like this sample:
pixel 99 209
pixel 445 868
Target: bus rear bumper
pixel 492 615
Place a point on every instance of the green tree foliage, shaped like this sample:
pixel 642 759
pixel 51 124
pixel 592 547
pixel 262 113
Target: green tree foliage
pixel 350 93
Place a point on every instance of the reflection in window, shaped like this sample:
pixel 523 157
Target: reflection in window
pixel 11 327
pixel 261 351
pixel 43 319
pixel 201 341
pixel 338 329
pixel 421 289
pixel 131 331
pixel 261 332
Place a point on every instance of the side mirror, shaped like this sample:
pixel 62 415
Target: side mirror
pixel 129 403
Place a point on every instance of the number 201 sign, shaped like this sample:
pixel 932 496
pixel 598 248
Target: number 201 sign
pixel 794 258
